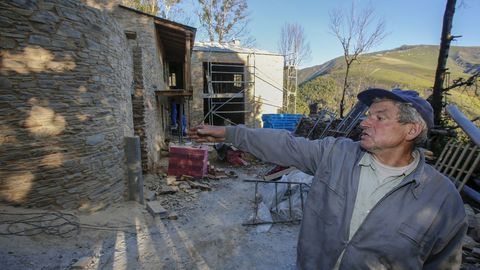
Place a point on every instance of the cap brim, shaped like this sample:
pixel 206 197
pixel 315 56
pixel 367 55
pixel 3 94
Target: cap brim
pixel 367 96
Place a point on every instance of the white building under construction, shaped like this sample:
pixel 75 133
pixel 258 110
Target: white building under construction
pixel 235 85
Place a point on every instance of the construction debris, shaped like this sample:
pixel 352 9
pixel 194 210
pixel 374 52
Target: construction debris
pixel 197 185
pixel 150 195
pixel 235 157
pixel 156 209
pixel 284 199
pixel 172 180
pixel 471 245
pixel 83 263
pixel 184 186
pixel 279 171
pixel 231 154
pixel 185 177
pixel 173 216
pixel 189 161
pixel 217 173
pixel 174 193
pixel 165 189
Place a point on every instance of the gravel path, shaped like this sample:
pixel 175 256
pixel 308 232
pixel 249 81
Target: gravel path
pixel 208 234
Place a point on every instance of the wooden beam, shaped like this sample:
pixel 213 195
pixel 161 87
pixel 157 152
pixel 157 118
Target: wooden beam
pixel 173 93
pixel 278 174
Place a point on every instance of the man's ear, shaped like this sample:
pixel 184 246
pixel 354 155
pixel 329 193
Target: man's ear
pixel 414 130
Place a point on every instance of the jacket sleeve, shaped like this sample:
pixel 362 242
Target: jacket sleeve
pixel 280 147
pixel 450 255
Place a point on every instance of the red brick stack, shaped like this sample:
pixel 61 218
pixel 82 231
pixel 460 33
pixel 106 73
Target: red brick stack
pixel 188 161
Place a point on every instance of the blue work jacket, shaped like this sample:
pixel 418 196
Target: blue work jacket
pixel 420 224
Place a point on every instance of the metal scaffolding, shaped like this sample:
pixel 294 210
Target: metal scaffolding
pixel 229 88
pixel 229 85
pixel 290 91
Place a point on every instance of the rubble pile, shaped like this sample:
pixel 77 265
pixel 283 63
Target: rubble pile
pixel 312 127
pixel 471 242
pixel 176 193
pixel 232 155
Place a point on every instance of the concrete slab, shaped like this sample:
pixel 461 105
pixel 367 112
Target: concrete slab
pixel 156 209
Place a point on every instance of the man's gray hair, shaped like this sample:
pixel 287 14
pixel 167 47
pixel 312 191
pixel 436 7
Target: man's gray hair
pixel 408 114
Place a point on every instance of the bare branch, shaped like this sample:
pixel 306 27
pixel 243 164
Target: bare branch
pixel 224 20
pixel 293 44
pixel 358 32
pixel 470 81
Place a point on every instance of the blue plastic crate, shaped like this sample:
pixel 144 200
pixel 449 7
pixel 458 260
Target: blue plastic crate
pixel 268 117
pixel 281 121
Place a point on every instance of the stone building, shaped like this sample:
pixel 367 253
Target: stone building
pixel 161 55
pixel 235 85
pixel 76 78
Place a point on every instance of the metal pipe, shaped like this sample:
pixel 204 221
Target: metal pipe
pixel 472 131
pixel 276 198
pixel 289 190
pixel 265 181
pixel 255 203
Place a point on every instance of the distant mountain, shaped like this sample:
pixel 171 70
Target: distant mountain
pixel 408 66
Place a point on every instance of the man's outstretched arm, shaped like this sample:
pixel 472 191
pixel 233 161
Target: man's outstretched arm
pixel 276 146
pixel 207 133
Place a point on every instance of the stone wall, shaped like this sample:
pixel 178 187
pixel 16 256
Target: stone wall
pixel 150 78
pixel 65 105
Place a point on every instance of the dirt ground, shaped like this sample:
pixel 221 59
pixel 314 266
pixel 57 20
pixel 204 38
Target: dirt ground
pixel 208 234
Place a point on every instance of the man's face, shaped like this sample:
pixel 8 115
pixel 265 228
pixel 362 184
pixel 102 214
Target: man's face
pixel 381 129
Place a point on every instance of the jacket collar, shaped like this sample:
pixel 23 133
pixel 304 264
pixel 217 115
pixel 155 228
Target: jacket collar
pixel 418 176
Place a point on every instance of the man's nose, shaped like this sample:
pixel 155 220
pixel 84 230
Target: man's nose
pixel 365 123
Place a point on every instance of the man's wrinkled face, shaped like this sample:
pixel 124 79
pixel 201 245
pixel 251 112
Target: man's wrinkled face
pixel 381 129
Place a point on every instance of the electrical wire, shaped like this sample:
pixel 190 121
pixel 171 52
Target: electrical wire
pixel 272 81
pixel 51 223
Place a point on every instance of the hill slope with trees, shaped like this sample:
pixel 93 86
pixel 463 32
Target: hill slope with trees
pixel 407 67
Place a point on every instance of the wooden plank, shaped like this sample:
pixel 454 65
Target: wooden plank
pixel 444 155
pixel 278 174
pixel 452 158
pixel 472 167
pixel 459 161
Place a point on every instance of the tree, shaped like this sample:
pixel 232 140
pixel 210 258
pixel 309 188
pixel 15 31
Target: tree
pixel 166 8
pixel 321 90
pixel 294 46
pixel 446 38
pixel 358 32
pixel 224 20
pixel 161 8
pixel 147 6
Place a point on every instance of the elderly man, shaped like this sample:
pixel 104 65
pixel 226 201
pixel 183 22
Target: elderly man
pixel 373 204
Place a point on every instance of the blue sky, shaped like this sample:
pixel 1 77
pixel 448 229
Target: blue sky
pixel 409 22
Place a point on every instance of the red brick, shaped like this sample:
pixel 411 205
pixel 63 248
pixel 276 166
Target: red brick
pixel 188 161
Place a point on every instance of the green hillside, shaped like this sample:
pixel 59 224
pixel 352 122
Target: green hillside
pixel 407 67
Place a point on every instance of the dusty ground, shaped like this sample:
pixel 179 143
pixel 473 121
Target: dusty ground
pixel 208 234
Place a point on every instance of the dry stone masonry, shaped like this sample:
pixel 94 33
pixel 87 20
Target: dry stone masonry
pixel 65 105
pixel 148 69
